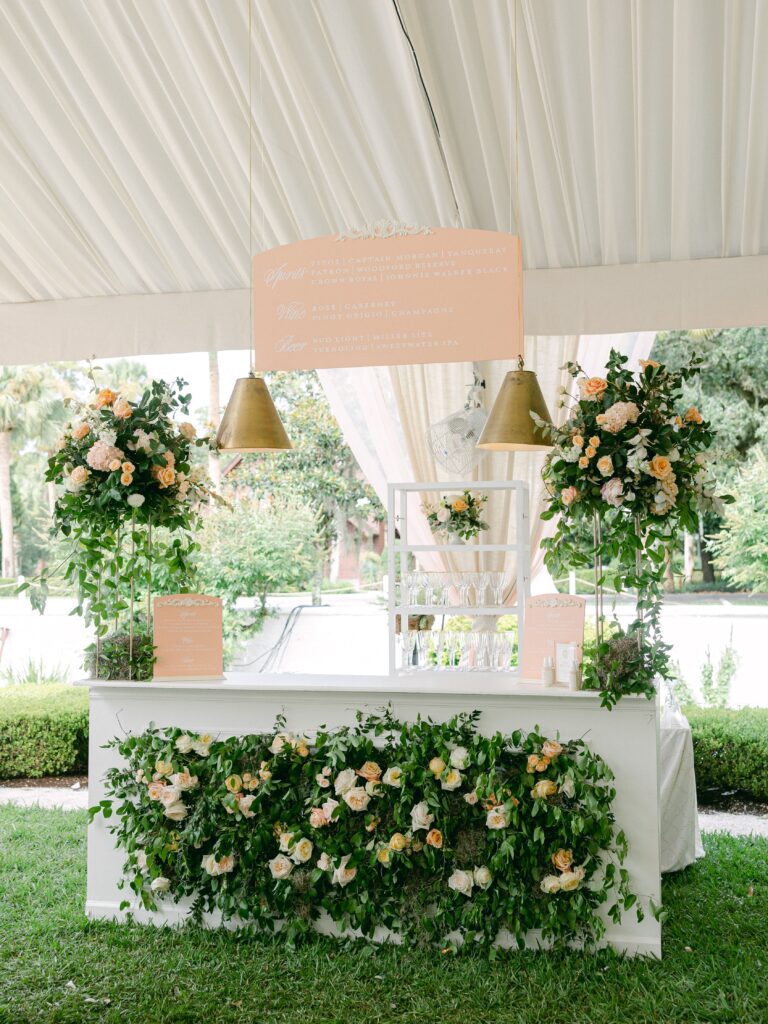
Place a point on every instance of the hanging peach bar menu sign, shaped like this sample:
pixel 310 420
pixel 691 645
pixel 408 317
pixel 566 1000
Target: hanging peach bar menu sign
pixel 397 295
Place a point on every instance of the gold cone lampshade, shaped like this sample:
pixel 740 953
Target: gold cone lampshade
pixel 509 427
pixel 250 422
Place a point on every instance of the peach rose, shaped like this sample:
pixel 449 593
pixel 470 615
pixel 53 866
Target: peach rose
pixel 122 409
pixel 165 476
pixel 437 765
pixel 460 505
pixel 645 363
pixel 115 465
pixel 605 465
pixel 693 415
pixel 568 495
pixel 551 748
pixel 187 430
pixel 583 462
pixel 435 838
pixel 357 799
pixel 80 431
pixel 398 842
pixel 317 818
pixel 590 452
pixel 562 859
pixel 128 467
pixel 578 441
pixel 78 476
pixel 595 441
pixel 155 790
pixel 601 418
pixel 105 397
pixel 234 783
pixel 592 388
pixel 370 771
pixel 660 467
pixel 126 479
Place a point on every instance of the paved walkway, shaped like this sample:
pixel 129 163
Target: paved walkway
pixel 77 799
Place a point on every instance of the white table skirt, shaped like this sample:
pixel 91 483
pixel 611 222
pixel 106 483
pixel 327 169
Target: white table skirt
pixel 680 835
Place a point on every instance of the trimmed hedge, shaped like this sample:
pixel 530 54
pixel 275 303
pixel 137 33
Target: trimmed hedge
pixel 730 750
pixel 43 730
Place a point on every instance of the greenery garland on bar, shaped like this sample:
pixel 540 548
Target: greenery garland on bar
pixel 434 831
pixel 627 472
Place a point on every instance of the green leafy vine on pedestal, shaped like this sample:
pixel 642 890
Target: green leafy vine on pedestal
pixel 431 830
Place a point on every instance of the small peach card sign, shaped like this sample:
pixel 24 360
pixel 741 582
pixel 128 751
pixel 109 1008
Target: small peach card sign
pixel 554 627
pixel 188 637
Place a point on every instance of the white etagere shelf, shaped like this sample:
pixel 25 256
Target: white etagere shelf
pixel 399 547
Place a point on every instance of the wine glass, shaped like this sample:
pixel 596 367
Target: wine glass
pixel 408 639
pixel 498 581
pixel 482 581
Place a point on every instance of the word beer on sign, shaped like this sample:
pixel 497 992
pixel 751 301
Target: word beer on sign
pixel 188 637
pixel 396 295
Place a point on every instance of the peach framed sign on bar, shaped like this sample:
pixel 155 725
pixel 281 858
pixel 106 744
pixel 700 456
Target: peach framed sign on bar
pixel 390 294
pixel 552 621
pixel 188 637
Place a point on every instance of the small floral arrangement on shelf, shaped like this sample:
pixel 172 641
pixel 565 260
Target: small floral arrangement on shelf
pixel 457 515
pixel 628 468
pixel 430 829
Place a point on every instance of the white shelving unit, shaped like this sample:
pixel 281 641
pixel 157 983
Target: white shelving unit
pixel 399 544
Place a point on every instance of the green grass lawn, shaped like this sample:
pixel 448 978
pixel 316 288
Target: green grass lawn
pixel 56 966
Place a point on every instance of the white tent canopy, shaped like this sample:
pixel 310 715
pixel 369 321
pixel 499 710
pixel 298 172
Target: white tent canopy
pixel 642 145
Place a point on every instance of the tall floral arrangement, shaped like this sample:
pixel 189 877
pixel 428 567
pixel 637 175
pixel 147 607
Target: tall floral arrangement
pixel 628 468
pixel 126 472
pixel 428 829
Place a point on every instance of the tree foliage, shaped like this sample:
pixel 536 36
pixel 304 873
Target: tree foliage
pixel 741 547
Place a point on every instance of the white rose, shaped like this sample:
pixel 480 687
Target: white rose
pixel 568 788
pixel 392 777
pixel 244 806
pixel 176 811
pixel 280 741
pixel 345 781
pixel 373 788
pixel 160 884
pixel 302 851
pixel 452 780
pixel 202 745
pixel 570 880
pixel 328 808
pixel 497 818
pixel 483 877
pixel 184 744
pixel 420 817
pixel 459 757
pixel 324 862
pixel 135 500
pixel 471 798
pixel 280 866
pixel 286 841
pixel 443 515
pixel 461 881
pixel 550 884
pixel 357 799
pixel 343 875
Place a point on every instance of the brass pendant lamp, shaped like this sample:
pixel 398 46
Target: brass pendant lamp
pixel 510 426
pixel 251 422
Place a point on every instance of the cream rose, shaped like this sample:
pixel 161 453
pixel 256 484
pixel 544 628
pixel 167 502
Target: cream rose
pixel 452 780
pixel 393 777
pixel 188 430
pixel 280 866
pixel 482 877
pixel 398 842
pixel 202 745
pixel 317 818
pixel 155 790
pixel 176 811
pixel 571 880
pixel 184 743
pixel 497 818
pixel 324 862
pixel 568 787
pixel 282 740
pixel 344 781
pixel 356 799
pixel 605 465
pixel 543 789
pixel 461 881
pixel 373 788
pixel 437 765
pixel 234 783
pixel 302 851
pixel 286 841
pixel 160 884
pixel 170 795
pixel 612 492
pixel 328 809
pixel 185 780
pixel 459 757
pixel 551 748
pixel 471 798
pixel 384 855
pixel 568 495
pixel 122 409
pixel 420 817
pixel 244 806
pixel 550 884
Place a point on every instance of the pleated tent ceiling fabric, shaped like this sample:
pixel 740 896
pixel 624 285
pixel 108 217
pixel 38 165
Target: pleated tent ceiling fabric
pixel 642 142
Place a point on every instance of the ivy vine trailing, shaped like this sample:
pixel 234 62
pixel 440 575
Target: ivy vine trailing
pixel 628 470
pixel 434 831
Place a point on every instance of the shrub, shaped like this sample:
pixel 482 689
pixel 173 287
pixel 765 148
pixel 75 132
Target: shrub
pixel 730 750
pixel 43 730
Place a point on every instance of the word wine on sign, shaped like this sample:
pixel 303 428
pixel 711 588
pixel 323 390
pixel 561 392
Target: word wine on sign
pixel 393 294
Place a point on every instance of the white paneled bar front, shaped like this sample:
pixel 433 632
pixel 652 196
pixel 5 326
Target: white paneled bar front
pixel 627 738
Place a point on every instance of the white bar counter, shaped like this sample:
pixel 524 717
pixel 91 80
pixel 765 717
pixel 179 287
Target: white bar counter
pixel 627 738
